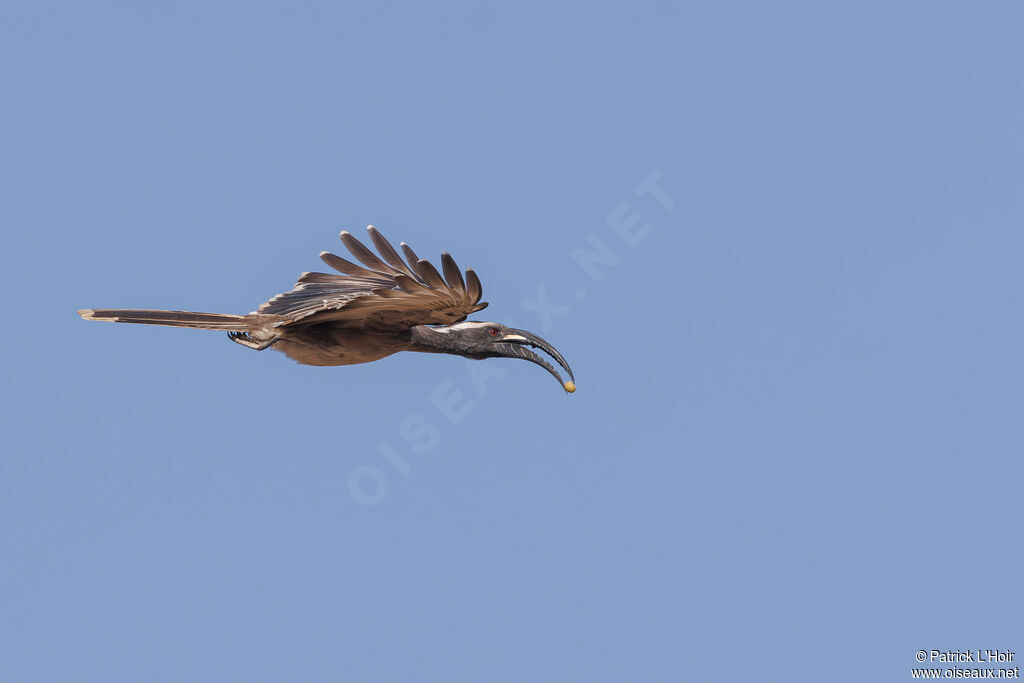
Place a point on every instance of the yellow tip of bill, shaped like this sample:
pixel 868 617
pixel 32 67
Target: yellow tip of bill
pixel 570 387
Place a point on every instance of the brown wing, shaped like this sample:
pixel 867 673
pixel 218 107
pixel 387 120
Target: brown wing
pixel 384 292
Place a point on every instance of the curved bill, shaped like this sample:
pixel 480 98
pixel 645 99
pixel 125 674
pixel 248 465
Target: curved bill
pixel 514 345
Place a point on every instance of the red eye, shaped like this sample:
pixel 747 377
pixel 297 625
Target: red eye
pixel 494 331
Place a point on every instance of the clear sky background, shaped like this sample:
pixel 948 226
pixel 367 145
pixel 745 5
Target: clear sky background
pixel 795 451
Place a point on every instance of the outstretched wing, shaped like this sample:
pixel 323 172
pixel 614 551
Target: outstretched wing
pixel 384 292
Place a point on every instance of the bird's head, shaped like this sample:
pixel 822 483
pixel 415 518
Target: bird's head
pixel 492 340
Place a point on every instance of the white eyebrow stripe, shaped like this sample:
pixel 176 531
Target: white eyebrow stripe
pixel 460 326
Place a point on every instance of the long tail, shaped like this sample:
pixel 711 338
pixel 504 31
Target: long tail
pixel 205 321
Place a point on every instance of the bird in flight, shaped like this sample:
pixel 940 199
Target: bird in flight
pixel 367 313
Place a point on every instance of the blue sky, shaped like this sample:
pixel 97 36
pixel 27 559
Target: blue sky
pixel 794 453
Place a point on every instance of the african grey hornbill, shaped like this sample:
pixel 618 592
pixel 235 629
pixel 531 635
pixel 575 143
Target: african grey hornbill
pixel 366 314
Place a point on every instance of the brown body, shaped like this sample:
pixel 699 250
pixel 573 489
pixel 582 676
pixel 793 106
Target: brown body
pixel 338 344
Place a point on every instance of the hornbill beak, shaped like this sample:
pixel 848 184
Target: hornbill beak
pixel 513 345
